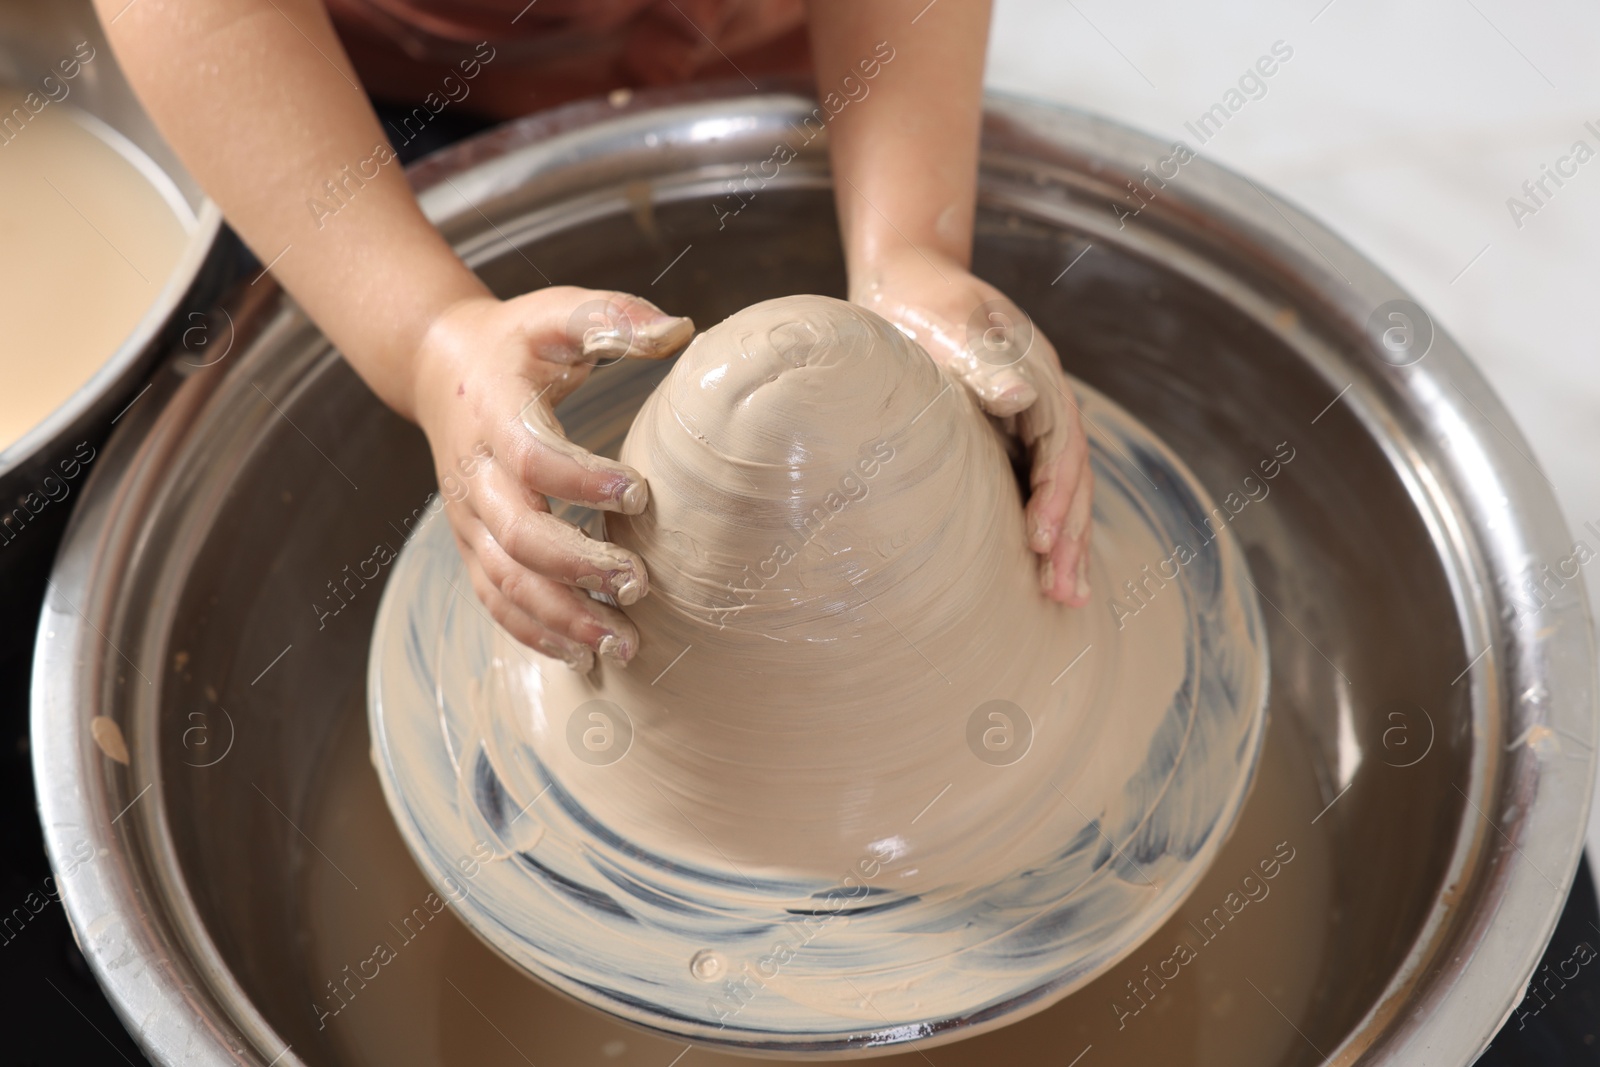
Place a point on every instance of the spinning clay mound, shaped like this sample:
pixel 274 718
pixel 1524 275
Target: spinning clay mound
pixel 836 537
pixel 859 760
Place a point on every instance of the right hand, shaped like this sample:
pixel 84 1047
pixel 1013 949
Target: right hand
pixel 489 374
pixel 1028 392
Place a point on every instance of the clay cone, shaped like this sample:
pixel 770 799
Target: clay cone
pixel 844 621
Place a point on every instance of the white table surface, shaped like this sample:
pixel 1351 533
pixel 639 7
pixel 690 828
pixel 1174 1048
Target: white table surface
pixel 1403 127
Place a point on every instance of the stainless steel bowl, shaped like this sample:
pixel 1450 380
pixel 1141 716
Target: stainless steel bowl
pixel 34 38
pixel 1391 558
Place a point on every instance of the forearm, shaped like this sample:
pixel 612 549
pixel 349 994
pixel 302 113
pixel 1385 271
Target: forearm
pixel 904 157
pixel 260 102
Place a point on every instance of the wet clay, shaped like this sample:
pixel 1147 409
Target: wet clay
pixel 87 242
pixel 839 581
pixel 860 764
pixel 443 998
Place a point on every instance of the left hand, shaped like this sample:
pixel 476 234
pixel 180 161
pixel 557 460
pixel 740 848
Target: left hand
pixel 980 336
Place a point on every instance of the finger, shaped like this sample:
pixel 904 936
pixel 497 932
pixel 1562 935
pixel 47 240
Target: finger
pixel 1065 572
pixel 599 327
pixel 1054 437
pixel 542 459
pixel 584 328
pixel 554 548
pixel 522 626
pixel 1002 390
pixel 568 612
pixel 998 344
pixel 988 362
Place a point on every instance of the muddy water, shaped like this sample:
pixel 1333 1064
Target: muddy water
pixel 1225 982
pixel 87 242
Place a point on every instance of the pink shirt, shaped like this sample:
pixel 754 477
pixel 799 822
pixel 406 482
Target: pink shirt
pixel 552 50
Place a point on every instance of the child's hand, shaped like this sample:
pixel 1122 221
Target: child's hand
pixel 488 376
pixel 970 327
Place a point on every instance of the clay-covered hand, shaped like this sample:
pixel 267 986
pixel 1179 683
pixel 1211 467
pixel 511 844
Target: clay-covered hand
pixel 989 344
pixel 489 374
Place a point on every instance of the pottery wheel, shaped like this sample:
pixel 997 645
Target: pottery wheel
pixel 862 784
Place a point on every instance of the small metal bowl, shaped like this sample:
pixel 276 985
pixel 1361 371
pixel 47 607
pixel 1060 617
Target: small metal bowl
pixel 35 38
